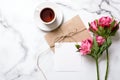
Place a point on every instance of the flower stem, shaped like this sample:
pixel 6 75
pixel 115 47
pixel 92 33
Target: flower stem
pixel 97 68
pixel 107 66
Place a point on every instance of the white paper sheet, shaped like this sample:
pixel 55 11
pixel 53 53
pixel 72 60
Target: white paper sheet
pixel 68 59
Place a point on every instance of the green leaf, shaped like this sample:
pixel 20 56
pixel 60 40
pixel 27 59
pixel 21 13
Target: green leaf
pixel 102 49
pixel 77 46
pixel 106 30
pixel 95 42
pixel 89 24
pixel 100 28
pixel 112 24
pixel 95 48
pixel 104 46
pixel 102 31
pixel 99 32
pixel 93 54
pixel 113 32
pixel 109 42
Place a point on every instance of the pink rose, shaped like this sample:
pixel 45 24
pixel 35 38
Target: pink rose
pixel 93 26
pixel 85 47
pixel 105 21
pixel 100 40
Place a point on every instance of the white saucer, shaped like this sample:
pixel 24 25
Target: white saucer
pixel 54 25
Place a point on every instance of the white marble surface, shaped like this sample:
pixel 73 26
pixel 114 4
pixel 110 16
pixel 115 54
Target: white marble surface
pixel 22 42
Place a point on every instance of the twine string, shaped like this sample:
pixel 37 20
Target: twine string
pixel 61 37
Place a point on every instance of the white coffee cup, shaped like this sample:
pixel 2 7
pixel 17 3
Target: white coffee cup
pixel 47 15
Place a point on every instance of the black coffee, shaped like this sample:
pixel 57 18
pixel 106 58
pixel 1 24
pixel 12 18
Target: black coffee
pixel 47 15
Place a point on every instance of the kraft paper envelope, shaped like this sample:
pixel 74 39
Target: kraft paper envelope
pixel 71 31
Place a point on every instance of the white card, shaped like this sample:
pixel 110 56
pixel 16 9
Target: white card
pixel 68 59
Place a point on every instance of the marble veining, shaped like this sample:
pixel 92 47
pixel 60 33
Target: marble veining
pixel 22 42
pixel 8 29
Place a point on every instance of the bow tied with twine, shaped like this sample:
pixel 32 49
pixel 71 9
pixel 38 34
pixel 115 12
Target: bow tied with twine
pixel 69 35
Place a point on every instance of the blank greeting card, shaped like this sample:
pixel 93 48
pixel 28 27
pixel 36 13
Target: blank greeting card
pixel 68 59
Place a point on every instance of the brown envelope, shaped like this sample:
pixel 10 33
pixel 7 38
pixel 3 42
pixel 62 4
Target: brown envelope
pixel 71 31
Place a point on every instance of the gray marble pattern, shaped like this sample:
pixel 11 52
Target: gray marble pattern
pixel 23 49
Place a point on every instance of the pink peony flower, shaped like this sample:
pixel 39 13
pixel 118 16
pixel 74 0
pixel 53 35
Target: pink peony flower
pixel 105 21
pixel 100 40
pixel 93 26
pixel 85 47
